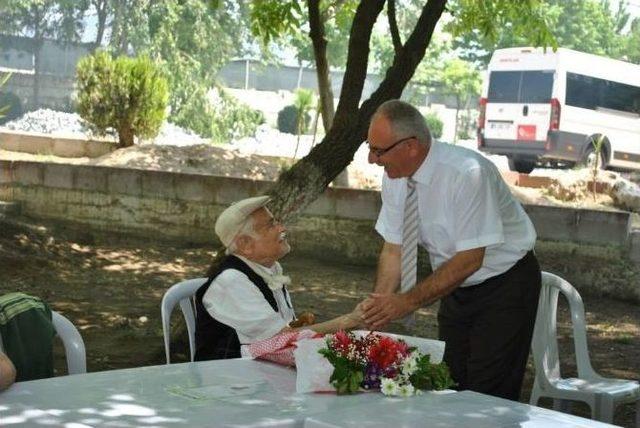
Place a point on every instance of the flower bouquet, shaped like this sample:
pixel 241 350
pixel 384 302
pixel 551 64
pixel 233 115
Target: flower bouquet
pixel 375 361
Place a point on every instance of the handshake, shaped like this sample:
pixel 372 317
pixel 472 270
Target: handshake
pixel 372 313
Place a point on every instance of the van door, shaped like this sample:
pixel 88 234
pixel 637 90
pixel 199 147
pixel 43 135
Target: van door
pixel 519 106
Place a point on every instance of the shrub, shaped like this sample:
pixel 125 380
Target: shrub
pixel 218 116
pixel 127 94
pixel 10 107
pixel 435 125
pixel 288 120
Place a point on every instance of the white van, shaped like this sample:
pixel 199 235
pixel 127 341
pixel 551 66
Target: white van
pixel 550 107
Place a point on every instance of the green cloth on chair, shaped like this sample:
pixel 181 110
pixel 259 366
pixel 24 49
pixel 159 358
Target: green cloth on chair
pixel 27 335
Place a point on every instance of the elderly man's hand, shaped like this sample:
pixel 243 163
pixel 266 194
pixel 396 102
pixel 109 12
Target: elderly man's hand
pixel 381 309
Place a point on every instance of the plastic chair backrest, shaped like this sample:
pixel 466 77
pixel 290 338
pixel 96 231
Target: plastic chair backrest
pixel 182 293
pixel 545 342
pixel 73 344
pixel 74 349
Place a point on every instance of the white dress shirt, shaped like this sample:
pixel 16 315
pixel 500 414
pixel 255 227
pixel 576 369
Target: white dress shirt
pixel 463 203
pixel 237 302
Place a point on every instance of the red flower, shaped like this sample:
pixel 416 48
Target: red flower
pixel 341 342
pixel 387 351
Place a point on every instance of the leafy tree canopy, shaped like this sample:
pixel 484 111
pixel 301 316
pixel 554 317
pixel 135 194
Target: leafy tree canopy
pixel 586 25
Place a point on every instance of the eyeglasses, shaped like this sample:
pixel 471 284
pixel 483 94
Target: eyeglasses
pixel 380 152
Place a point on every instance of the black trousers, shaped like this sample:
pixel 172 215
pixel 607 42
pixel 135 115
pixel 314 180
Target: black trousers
pixel 488 327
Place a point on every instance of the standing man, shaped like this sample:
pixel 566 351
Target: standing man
pixel 480 243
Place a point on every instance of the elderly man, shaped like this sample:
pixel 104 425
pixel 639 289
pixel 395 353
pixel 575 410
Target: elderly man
pixel 454 202
pixel 247 300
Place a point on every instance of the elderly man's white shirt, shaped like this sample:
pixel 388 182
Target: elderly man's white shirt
pixel 237 302
pixel 463 203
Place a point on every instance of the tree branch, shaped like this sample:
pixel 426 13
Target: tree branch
pixel 393 26
pixel 357 59
pixel 316 33
pixel 404 64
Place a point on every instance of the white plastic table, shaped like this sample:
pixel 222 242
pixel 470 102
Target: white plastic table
pixel 245 393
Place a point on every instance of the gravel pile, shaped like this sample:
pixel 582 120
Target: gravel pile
pixel 181 148
pixel 49 121
pixel 57 122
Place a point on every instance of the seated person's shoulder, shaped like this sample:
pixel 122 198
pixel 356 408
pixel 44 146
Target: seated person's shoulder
pixel 230 277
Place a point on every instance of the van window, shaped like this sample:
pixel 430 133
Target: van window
pixel 590 93
pixel 504 86
pixel 530 87
pixel 582 91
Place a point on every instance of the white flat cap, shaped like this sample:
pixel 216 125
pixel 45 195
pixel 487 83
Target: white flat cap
pixel 230 221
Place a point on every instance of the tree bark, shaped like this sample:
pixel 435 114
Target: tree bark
pixel 38 41
pixel 316 33
pixel 102 11
pixel 455 123
pixel 125 136
pixel 119 32
pixel 393 26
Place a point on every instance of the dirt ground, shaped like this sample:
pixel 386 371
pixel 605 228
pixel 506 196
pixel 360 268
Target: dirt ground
pixel 111 286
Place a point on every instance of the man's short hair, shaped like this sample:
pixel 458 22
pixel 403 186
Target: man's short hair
pixel 405 120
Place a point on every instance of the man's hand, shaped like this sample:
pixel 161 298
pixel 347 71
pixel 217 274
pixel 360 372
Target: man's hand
pixel 381 309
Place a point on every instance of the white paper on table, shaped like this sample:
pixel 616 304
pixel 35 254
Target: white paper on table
pixel 313 369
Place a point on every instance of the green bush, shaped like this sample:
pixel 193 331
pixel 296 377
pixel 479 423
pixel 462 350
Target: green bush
pixel 288 120
pixel 10 107
pixel 435 124
pixel 219 116
pixel 127 94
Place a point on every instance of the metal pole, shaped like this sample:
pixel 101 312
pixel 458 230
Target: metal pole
pixel 246 74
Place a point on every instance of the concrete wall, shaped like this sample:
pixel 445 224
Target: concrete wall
pixel 184 206
pixel 55 90
pixel 52 144
pixel 56 57
pixel 181 206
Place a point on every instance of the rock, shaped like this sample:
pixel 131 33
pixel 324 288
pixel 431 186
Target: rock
pixel 626 195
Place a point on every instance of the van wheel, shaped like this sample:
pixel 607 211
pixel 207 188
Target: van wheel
pixel 522 166
pixel 591 157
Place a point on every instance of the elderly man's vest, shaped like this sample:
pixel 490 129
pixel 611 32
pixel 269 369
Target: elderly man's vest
pixel 215 340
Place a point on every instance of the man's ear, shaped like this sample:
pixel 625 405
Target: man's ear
pixel 244 244
pixel 414 147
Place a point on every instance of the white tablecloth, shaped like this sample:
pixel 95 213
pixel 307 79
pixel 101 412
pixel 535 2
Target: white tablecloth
pixel 245 393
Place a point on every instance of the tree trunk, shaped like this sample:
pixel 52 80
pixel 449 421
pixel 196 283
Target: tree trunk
pixel 37 65
pixel 393 25
pixel 125 137
pixel 316 33
pixel 455 124
pixel 119 31
pixel 101 10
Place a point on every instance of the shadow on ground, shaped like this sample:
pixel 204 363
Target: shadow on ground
pixel 111 285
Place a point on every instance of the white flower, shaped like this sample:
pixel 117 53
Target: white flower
pixel 406 390
pixel 388 386
pixel 409 365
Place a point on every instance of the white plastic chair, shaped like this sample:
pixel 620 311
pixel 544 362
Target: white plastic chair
pixel 600 393
pixel 183 293
pixel 72 341
pixel 433 347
